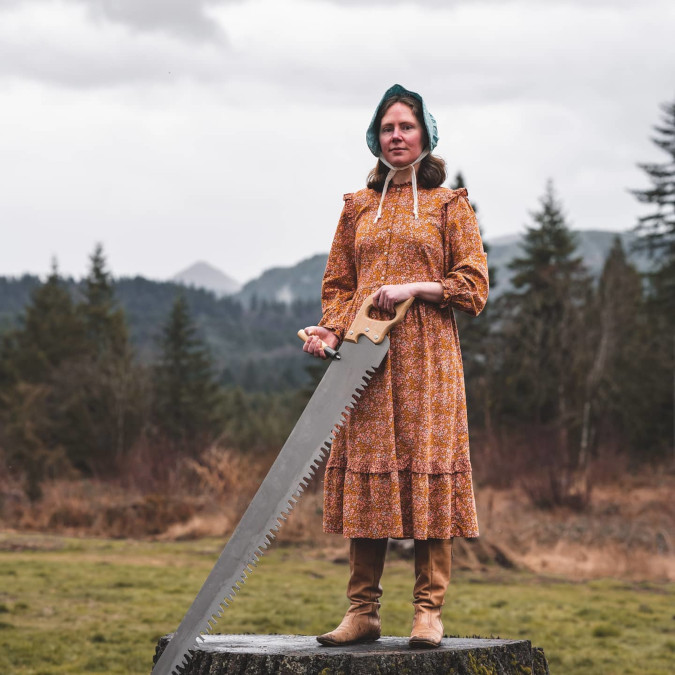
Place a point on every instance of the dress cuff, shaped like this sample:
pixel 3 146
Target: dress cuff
pixel 447 292
pixel 337 330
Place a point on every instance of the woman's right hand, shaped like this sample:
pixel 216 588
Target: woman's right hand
pixel 317 334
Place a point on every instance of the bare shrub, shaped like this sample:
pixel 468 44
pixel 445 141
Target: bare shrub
pixel 99 508
pixel 222 474
pixel 531 459
pixel 155 492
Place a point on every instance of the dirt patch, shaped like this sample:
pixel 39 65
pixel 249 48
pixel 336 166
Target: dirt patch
pixel 17 543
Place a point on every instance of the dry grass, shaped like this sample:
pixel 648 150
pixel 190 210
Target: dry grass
pixel 194 497
pixel 625 532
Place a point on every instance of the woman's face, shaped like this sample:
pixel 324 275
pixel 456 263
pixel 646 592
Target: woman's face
pixel 401 135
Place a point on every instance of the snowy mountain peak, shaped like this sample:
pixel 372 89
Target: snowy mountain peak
pixel 204 275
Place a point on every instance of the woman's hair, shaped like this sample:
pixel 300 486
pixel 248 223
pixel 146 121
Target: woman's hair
pixel 431 173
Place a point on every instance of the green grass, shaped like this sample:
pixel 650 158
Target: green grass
pixel 99 606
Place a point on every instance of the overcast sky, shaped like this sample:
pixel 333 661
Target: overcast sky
pixel 227 130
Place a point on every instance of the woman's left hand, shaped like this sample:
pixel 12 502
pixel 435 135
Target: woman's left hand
pixel 387 297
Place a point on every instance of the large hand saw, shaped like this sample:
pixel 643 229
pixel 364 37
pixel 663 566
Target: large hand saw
pixel 364 347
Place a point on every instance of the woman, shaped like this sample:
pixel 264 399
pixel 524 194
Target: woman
pixel 400 467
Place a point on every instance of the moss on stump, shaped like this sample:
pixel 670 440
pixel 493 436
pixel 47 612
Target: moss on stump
pixel 298 654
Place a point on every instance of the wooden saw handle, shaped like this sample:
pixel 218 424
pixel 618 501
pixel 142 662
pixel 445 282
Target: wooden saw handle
pixel 329 350
pixel 375 329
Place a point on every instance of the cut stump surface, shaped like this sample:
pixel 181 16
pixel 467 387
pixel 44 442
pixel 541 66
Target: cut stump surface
pixel 299 654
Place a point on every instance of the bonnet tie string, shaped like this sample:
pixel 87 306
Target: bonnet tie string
pixel 390 175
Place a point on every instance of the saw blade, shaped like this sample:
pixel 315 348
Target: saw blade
pixel 297 462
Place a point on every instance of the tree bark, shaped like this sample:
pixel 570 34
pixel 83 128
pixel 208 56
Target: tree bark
pixel 296 654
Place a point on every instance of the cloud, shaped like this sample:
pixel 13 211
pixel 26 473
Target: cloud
pixel 460 54
pixel 186 19
pixel 102 43
pixel 183 18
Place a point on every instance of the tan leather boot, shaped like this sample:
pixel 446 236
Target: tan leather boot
pixel 433 560
pixel 361 623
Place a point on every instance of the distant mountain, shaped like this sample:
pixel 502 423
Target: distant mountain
pixel 287 284
pixel 208 277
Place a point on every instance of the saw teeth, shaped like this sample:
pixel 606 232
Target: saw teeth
pixel 320 454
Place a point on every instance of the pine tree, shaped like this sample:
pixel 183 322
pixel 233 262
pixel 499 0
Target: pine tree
pixel 625 391
pixel 614 363
pixel 657 229
pixel 50 332
pixel 187 395
pixel 49 338
pixel 104 321
pixel 542 330
pixel 657 234
pixel 104 387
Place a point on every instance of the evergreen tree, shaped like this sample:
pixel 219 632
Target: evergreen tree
pixel 104 387
pixel 613 346
pixel 187 395
pixel 104 321
pixel 50 336
pixel 50 332
pixel 657 229
pixel 627 388
pixel 542 330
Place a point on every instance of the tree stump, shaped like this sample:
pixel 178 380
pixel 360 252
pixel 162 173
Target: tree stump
pixel 299 654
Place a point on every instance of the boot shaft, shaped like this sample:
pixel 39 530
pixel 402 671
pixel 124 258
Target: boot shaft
pixel 366 564
pixel 433 565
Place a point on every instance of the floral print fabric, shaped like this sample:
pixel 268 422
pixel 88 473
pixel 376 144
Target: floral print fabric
pixel 400 466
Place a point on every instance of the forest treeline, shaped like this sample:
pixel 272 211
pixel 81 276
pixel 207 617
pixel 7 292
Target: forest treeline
pixel 559 370
pixel 244 338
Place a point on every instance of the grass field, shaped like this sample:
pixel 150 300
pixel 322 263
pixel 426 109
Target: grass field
pixel 99 606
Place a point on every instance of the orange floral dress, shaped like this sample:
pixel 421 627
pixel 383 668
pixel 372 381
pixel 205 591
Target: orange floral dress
pixel 400 466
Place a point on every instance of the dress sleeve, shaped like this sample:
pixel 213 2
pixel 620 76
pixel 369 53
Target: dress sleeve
pixel 339 280
pixel 465 285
